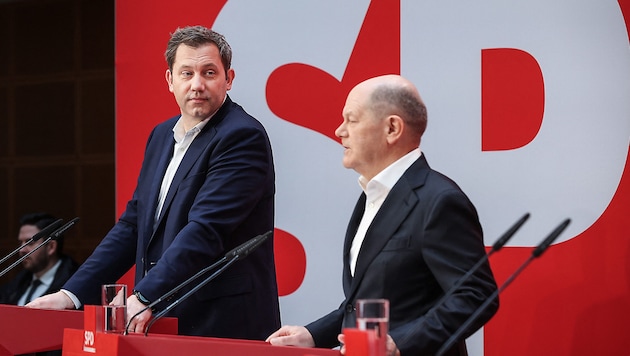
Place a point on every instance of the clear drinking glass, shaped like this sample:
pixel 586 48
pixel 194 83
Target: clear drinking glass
pixel 373 314
pixel 114 299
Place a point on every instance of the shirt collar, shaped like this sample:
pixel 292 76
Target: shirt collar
pixel 392 173
pixel 179 133
pixel 48 277
pixel 178 129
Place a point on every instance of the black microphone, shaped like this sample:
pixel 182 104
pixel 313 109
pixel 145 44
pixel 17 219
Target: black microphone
pixel 537 252
pixel 495 247
pixel 43 233
pixel 60 231
pixel 53 236
pixel 189 293
pixel 230 257
pixel 246 248
pixel 234 255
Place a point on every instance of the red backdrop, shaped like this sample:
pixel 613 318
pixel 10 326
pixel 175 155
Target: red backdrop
pixel 574 301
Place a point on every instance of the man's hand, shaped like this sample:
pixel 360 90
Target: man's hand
pixel 391 349
pixel 58 300
pixel 291 336
pixel 137 324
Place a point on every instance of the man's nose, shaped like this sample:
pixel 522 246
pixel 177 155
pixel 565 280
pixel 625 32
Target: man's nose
pixel 197 83
pixel 339 131
pixel 25 248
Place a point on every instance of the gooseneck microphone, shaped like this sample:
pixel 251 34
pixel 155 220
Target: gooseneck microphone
pixel 230 257
pixel 60 231
pixel 43 233
pixel 51 236
pixel 241 251
pixel 189 293
pixel 501 241
pixel 537 252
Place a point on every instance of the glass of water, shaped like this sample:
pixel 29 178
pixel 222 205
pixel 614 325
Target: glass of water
pixel 115 308
pixel 373 314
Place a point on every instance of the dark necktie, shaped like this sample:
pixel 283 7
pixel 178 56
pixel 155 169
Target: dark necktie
pixel 34 285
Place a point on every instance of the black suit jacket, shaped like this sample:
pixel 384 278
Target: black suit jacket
pixel 11 292
pixel 221 196
pixel 425 236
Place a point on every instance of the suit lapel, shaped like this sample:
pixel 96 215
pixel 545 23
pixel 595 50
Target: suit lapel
pixel 398 204
pixel 165 157
pixel 193 153
pixel 197 147
pixel 353 226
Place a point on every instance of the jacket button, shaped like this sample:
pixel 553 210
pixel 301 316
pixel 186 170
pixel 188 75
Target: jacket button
pixel 349 308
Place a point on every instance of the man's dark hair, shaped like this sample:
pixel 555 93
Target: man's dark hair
pixel 395 99
pixel 41 220
pixel 196 36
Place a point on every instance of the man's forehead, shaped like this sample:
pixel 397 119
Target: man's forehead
pixel 27 231
pixel 354 103
pixel 201 60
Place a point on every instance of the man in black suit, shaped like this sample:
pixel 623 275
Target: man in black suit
pixel 45 270
pixel 412 235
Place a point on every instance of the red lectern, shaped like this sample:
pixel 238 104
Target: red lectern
pixel 90 341
pixel 26 330
pixel 74 344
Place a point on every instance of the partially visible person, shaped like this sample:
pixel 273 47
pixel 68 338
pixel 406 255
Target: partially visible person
pixel 44 271
pixel 412 235
pixel 206 185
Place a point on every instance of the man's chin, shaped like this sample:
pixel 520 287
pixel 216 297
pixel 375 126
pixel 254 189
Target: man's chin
pixel 199 112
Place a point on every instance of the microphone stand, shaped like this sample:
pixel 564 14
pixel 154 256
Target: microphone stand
pixel 175 290
pixel 536 253
pixel 188 294
pixel 232 256
pixel 501 241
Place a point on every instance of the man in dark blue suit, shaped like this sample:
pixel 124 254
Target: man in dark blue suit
pixel 412 235
pixel 206 186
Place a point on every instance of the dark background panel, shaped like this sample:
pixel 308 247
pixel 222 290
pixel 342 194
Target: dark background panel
pixel 57 118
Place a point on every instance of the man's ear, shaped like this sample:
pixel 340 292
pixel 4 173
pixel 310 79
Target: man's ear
pixel 51 248
pixel 169 80
pixel 395 128
pixel 230 75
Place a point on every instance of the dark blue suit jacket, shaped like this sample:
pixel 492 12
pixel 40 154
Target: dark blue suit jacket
pixel 221 196
pixel 424 237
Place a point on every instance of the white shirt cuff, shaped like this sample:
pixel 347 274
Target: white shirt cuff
pixel 75 300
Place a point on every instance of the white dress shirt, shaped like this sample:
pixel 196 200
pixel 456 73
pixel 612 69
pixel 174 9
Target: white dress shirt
pixel 46 280
pixel 376 190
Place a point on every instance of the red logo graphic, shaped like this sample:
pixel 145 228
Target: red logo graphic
pixel 574 301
